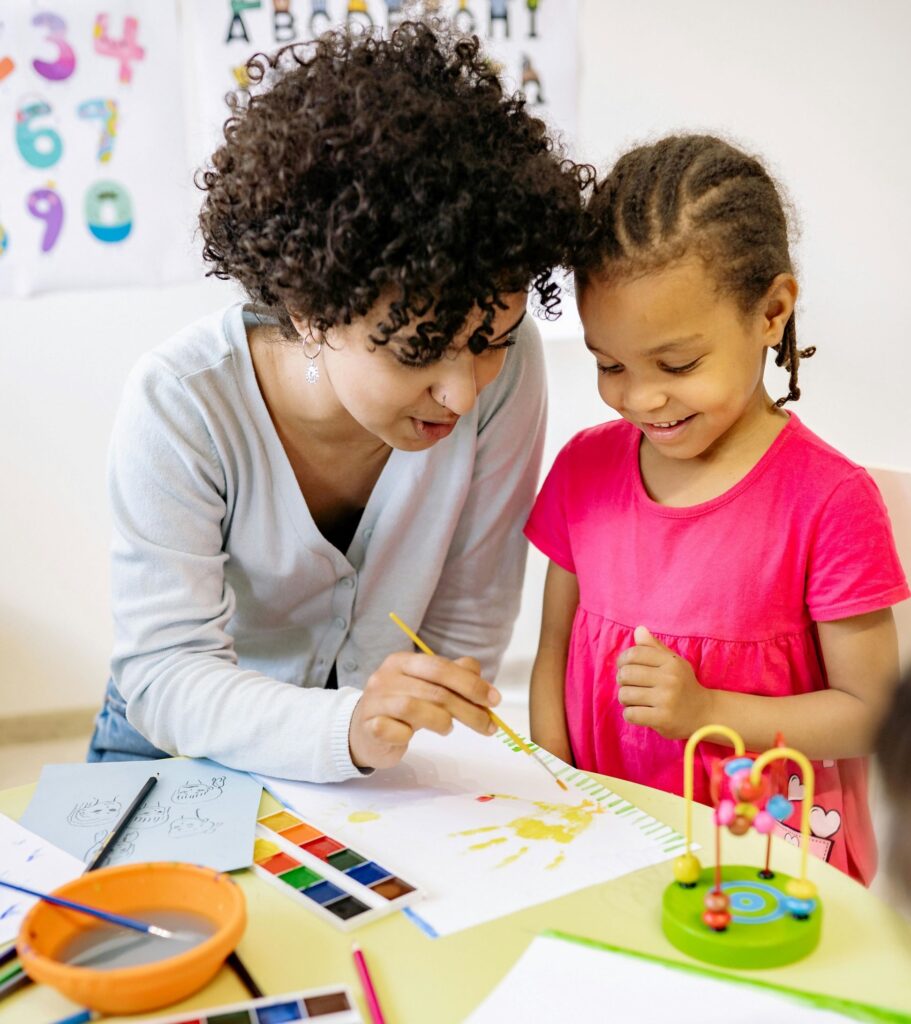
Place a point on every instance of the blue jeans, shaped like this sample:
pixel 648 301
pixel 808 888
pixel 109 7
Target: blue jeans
pixel 114 739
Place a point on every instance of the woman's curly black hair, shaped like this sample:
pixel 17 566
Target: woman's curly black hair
pixel 391 168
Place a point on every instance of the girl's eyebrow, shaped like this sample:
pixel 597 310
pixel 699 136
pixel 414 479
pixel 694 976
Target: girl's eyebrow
pixel 657 350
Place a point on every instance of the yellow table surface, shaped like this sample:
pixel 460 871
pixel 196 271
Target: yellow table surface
pixel 864 954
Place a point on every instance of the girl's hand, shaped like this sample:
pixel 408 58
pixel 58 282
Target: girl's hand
pixel 660 690
pixel 416 691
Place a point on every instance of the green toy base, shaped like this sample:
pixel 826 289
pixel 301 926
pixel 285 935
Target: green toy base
pixel 761 932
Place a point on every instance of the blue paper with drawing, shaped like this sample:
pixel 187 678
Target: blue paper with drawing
pixel 199 811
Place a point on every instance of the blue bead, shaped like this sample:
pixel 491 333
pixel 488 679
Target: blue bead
pixel 779 807
pixel 737 765
pixel 799 908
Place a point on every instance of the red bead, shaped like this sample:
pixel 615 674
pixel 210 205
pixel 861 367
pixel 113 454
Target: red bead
pixel 716 901
pixel 717 920
pixel 746 791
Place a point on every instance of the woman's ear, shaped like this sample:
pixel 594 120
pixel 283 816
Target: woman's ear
pixel 777 307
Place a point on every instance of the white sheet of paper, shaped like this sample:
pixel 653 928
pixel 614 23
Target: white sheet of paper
pixel 199 811
pixel 29 860
pixel 482 829
pixel 560 980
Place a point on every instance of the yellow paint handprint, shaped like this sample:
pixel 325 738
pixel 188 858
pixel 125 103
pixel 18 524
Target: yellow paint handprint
pixel 560 823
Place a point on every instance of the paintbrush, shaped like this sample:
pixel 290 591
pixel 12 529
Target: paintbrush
pixel 104 915
pixel 514 736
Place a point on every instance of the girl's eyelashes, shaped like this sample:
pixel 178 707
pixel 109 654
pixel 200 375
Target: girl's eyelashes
pixel 616 368
pixel 681 369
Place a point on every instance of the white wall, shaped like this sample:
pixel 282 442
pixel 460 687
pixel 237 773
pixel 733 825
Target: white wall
pixel 819 86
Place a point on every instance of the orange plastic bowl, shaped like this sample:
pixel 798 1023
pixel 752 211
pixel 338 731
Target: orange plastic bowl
pixel 132 889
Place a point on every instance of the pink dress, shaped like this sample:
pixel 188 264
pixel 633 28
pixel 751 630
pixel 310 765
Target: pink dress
pixel 734 585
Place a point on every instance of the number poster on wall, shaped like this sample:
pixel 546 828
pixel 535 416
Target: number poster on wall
pixel 533 41
pixel 95 178
pixel 93 170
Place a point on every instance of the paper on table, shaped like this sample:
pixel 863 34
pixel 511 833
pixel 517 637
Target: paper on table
pixel 480 829
pixel 28 860
pixel 199 811
pixel 560 980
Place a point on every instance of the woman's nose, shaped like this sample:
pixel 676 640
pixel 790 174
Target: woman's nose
pixel 457 386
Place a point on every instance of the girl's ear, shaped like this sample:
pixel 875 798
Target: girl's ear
pixel 777 307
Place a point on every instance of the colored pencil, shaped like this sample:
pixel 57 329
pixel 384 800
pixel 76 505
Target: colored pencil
pixel 102 915
pixel 83 1017
pixel 107 846
pixel 13 983
pixel 514 736
pixel 373 1003
pixel 8 954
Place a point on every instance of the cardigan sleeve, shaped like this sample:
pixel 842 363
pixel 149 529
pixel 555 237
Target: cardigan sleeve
pixel 174 660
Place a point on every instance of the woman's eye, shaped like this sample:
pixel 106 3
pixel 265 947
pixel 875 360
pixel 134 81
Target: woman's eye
pixel 681 369
pixel 609 369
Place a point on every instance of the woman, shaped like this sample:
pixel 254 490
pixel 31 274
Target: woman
pixel 364 437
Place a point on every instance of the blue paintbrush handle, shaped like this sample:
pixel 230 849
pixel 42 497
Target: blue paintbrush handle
pixel 102 915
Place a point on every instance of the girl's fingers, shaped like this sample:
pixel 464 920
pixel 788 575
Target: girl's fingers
pixel 635 696
pixel 642 716
pixel 650 656
pixel 637 675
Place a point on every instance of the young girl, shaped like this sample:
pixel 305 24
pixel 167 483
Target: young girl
pixel 712 560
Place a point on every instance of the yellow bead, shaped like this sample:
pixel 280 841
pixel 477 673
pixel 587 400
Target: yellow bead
pixel 747 811
pixel 687 869
pixel 801 889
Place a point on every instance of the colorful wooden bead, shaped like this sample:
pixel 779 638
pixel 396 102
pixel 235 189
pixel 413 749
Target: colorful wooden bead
pixel 801 889
pixel 724 812
pixel 687 869
pixel 747 811
pixel 801 909
pixel 716 901
pixel 739 826
pixel 717 920
pixel 745 789
pixel 738 764
pixel 780 807
pixel 764 822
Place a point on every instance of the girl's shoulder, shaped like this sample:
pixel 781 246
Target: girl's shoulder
pixel 819 467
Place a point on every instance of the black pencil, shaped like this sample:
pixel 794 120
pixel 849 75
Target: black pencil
pixel 108 846
pixel 246 979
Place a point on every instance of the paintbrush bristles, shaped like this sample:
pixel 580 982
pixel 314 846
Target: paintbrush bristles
pixel 497 721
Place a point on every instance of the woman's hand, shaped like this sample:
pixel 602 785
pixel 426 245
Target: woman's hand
pixel 660 690
pixel 417 691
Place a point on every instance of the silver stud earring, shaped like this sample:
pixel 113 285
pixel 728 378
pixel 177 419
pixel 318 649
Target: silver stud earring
pixel 312 374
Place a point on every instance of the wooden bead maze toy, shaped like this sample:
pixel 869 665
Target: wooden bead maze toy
pixel 735 915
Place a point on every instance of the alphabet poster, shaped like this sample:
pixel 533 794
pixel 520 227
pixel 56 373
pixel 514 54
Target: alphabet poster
pixel 533 42
pixel 94 178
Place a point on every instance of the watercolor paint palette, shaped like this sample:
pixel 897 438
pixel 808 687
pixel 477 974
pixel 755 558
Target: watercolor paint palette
pixel 333 880
pixel 319 1004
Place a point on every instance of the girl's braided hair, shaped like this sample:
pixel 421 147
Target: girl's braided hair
pixel 693 194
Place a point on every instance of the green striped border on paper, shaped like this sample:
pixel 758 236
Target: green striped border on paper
pixel 662 835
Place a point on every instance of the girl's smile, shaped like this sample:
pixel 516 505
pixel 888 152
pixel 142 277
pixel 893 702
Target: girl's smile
pixel 683 362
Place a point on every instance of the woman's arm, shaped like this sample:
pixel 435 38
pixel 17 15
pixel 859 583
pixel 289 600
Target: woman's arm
pixel 548 712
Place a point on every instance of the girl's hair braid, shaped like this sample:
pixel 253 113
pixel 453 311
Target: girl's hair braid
pixel 693 194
